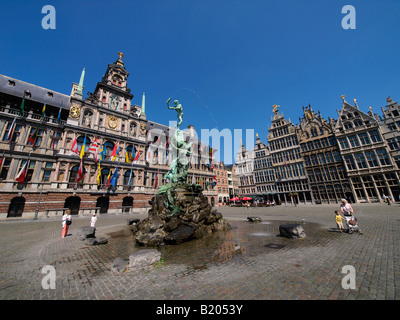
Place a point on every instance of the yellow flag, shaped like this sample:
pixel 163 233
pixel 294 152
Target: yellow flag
pixel 127 157
pixel 99 176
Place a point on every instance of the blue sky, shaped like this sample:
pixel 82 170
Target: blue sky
pixel 226 61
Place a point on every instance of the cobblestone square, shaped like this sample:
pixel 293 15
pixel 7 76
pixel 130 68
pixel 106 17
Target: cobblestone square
pixel 248 262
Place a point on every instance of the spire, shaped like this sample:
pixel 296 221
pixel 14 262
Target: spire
pixel 80 86
pixel 143 112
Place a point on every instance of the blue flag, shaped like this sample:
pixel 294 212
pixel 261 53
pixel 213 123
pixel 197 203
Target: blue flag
pixel 114 178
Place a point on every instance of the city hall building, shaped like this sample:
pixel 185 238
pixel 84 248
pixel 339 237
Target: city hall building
pixel 40 174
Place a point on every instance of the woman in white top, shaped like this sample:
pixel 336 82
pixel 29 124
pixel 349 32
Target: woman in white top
pixel 346 208
pixel 66 221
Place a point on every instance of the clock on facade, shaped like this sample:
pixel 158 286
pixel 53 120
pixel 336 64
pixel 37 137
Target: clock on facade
pixel 75 112
pixel 112 122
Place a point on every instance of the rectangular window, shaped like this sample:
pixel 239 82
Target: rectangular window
pixel 16 133
pixel 351 165
pixel 371 158
pixel 375 136
pixel 360 159
pixel 4 169
pixel 364 138
pixel 354 141
pixel 344 143
pixel 383 157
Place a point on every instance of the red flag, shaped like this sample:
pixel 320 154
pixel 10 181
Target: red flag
pixel 74 147
pixel 1 163
pixel 114 152
pixel 156 182
pixel 22 173
pixel 137 155
pixel 11 131
pixel 80 172
pixel 33 137
pixel 93 149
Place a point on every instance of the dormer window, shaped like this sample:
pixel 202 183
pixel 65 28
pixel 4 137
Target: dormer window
pixel 11 83
pixel 50 94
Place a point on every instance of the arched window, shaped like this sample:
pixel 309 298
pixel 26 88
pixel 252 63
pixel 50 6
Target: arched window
pixel 129 155
pixel 104 176
pixel 128 176
pixel 80 141
pixel 73 174
pixel 109 148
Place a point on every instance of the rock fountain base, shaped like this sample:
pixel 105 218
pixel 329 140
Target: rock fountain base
pixel 190 218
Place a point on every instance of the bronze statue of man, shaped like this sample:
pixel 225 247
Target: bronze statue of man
pixel 178 108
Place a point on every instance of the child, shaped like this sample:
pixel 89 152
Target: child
pixel 338 219
pixel 93 220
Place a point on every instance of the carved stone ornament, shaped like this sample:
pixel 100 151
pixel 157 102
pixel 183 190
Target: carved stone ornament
pixel 75 111
pixel 112 122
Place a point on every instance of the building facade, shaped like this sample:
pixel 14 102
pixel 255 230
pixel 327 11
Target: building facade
pixel 370 167
pixel 390 124
pixel 40 127
pixel 264 173
pixel 244 170
pixel 291 179
pixel 322 159
pixel 221 173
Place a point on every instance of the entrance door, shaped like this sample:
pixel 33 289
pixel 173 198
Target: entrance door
pixel 103 203
pixel 127 202
pixel 16 207
pixel 73 203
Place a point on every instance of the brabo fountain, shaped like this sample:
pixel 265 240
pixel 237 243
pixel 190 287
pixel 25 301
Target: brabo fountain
pixel 179 212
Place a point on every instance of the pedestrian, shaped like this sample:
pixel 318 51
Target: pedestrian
pixel 66 222
pixel 388 200
pixel 346 208
pixel 93 220
pixel 338 219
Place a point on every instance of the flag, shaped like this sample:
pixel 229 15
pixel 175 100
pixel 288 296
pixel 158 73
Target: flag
pixel 93 149
pixel 149 136
pixel 200 181
pixel 109 178
pixel 11 131
pixel 214 181
pixel 79 177
pixel 43 112
pixel 114 178
pixel 156 182
pixel 99 176
pixel 74 147
pixel 127 160
pixel 148 156
pixel 130 175
pixel 59 114
pixel 53 142
pixel 33 137
pixel 114 152
pixel 103 153
pixel 83 148
pixel 137 156
pixel 207 184
pixel 22 108
pixel 2 161
pixel 21 176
